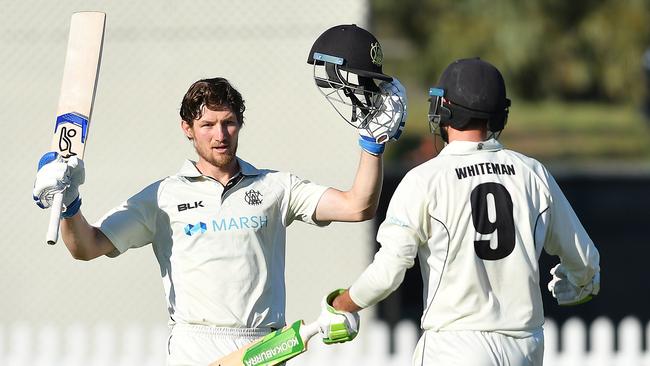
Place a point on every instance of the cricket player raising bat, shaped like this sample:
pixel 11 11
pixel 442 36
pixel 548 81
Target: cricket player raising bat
pixel 478 216
pixel 218 226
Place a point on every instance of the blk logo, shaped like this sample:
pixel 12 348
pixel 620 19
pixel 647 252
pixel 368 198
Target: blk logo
pixel 253 197
pixel 196 229
pixel 189 206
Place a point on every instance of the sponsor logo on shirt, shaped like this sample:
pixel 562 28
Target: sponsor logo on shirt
pixel 195 229
pixel 253 197
pixel 189 206
pixel 227 224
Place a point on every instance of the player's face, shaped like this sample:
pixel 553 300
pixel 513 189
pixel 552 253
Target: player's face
pixel 215 137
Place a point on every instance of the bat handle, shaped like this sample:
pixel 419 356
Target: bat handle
pixel 309 330
pixel 55 218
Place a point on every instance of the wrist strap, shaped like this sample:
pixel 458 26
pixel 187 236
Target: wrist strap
pixel 72 208
pixel 369 145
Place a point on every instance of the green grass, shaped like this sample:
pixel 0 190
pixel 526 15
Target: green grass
pixel 551 131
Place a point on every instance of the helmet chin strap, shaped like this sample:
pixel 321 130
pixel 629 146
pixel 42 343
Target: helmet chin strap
pixel 356 103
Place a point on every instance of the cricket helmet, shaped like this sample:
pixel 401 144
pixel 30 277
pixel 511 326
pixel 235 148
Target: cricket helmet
pixel 347 62
pixel 467 89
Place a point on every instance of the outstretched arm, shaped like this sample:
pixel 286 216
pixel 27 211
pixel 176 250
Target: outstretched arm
pixel 359 203
pixel 400 236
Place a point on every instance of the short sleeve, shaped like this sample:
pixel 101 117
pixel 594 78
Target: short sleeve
pixel 132 223
pixel 303 200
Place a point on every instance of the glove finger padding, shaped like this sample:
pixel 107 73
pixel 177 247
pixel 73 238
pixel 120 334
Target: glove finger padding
pixel 49 181
pixel 56 175
pixel 337 326
pixel 388 117
pixel 566 293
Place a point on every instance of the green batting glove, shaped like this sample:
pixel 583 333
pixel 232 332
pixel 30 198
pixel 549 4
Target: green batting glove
pixel 337 326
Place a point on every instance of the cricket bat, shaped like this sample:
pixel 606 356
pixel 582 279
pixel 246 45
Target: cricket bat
pixel 274 348
pixel 77 95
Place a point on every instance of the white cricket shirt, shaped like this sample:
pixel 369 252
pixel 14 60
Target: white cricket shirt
pixel 221 252
pixel 477 216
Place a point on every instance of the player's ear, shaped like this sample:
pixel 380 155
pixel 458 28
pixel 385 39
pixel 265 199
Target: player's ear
pixel 187 130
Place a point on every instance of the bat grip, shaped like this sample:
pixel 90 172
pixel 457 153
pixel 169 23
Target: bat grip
pixel 55 218
pixel 309 330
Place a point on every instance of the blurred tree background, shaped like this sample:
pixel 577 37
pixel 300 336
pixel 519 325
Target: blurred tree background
pixel 574 70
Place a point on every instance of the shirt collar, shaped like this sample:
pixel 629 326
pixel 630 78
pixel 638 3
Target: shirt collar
pixel 189 169
pixel 470 147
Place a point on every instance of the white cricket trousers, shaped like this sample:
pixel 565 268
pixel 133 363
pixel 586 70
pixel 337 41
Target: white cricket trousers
pixel 474 348
pixel 200 345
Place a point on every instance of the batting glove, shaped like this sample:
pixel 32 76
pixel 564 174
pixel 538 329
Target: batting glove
pixel 337 326
pixel 56 175
pixel 566 293
pixel 388 120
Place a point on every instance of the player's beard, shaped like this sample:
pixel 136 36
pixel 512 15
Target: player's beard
pixel 219 160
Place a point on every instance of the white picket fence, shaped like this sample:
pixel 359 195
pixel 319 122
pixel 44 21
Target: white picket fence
pixel 104 344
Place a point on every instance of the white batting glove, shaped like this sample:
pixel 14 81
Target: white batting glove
pixel 56 175
pixel 566 293
pixel 337 326
pixel 388 121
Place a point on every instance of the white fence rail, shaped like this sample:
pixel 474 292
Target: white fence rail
pixel 104 344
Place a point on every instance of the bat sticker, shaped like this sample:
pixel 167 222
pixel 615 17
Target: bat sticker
pixel 67 133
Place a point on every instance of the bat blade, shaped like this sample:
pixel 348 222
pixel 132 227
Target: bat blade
pixel 274 348
pixel 78 86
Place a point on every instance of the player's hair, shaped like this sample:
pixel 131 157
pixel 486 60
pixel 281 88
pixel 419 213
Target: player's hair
pixel 215 94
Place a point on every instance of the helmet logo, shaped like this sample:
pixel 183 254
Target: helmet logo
pixel 376 54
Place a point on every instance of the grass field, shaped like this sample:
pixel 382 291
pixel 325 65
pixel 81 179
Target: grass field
pixel 552 131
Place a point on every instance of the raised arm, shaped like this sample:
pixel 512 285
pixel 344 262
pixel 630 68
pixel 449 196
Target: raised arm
pixel 359 203
pixel 384 123
pixel 56 175
pixel 84 241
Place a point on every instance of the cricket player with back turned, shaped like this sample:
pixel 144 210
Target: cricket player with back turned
pixel 218 226
pixel 478 216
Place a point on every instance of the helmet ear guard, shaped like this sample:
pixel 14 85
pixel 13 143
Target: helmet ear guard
pixel 443 112
pixel 438 113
